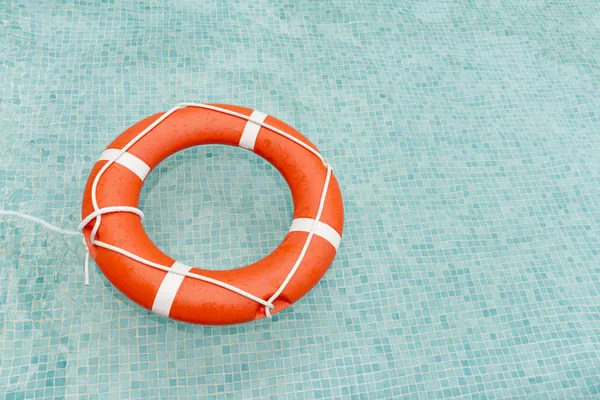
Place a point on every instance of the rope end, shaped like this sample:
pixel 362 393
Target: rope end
pixel 268 311
pixel 86 268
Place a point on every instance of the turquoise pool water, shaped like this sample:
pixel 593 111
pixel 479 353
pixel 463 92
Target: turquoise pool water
pixel 465 137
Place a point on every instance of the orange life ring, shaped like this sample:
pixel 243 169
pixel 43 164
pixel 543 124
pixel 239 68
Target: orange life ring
pixel 132 262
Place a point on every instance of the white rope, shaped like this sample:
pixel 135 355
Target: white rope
pixel 89 218
pixel 98 212
pixel 41 222
pixel 54 228
pixel 265 125
pixel 86 264
pixel 188 274
pixel 110 162
pixel 306 244
pixel 78 232
pixel 108 210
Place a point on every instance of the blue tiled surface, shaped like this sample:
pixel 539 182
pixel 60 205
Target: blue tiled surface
pixel 465 139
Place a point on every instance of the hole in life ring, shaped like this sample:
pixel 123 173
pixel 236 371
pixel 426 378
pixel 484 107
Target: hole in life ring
pixel 216 207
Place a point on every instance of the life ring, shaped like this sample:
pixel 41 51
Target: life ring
pixel 128 258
